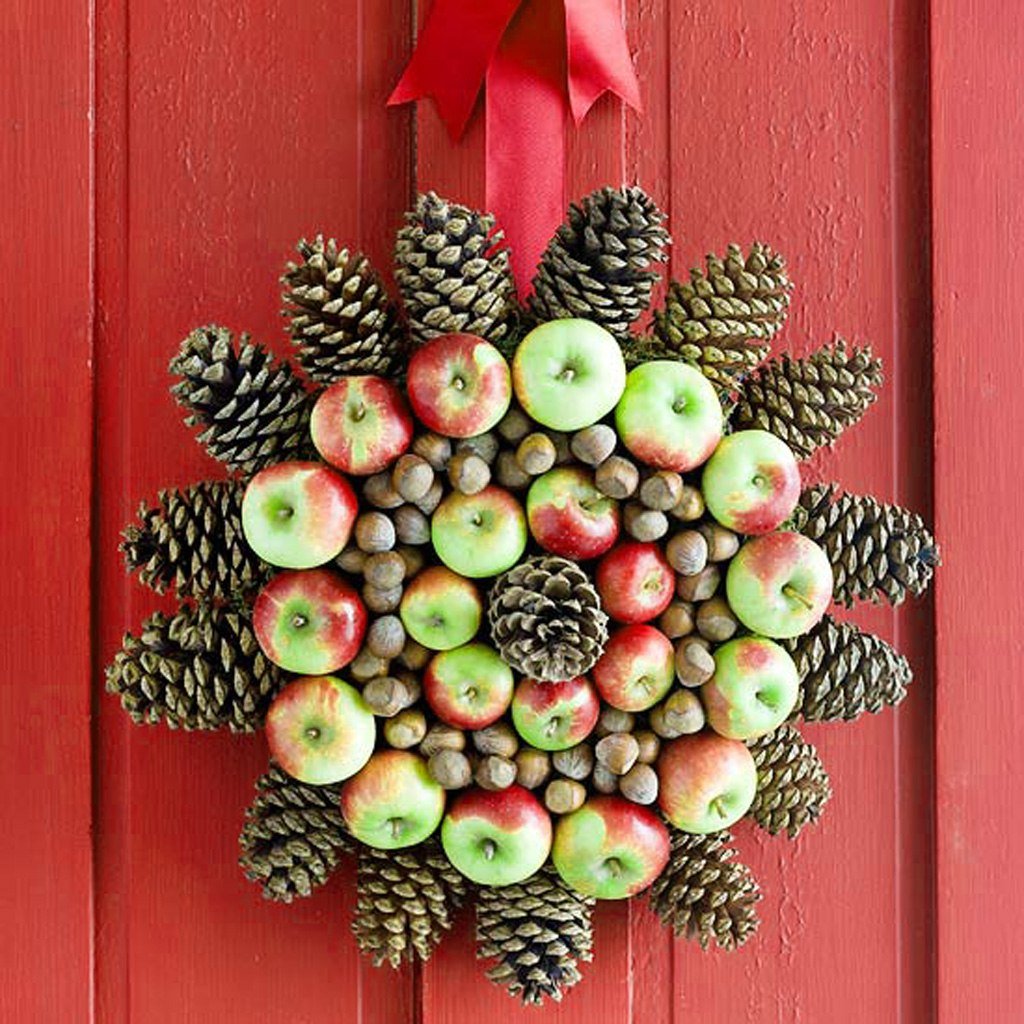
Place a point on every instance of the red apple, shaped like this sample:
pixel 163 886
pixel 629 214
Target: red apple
pixel 636 669
pixel 309 621
pixel 635 582
pixel 468 687
pixel 555 716
pixel 361 424
pixel 459 385
pixel 569 516
pixel 706 782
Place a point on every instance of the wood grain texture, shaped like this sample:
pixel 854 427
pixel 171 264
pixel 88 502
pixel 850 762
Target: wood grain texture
pixel 978 212
pixel 45 463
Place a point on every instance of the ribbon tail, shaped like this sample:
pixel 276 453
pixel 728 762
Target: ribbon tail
pixel 454 50
pixel 598 55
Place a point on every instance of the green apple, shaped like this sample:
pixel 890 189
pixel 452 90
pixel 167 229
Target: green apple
pixel 753 690
pixel 393 802
pixel 441 609
pixel 669 415
pixel 497 838
pixel 481 534
pixel 567 374
pixel 779 584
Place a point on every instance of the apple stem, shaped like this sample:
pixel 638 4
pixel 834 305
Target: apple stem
pixel 614 866
pixel 298 621
pixel 718 807
pixel 794 595
pixel 396 828
pixel 313 733
pixel 359 413
pixel 567 375
pixel 285 512
pixel 489 848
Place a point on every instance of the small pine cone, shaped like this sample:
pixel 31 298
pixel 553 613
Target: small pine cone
pixel 546 619
pixel 293 836
pixel 723 319
pixel 792 784
pixel 704 893
pixel 453 271
pixel 342 319
pixel 845 672
pixel 597 265
pixel 877 551
pixel 252 409
pixel 192 539
pixel 407 900
pixel 201 669
pixel 538 931
pixel 809 402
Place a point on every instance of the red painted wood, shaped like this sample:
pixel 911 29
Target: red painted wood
pixel 978 213
pixel 45 463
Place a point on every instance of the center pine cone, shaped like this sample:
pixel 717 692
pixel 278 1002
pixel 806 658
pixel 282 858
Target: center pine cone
pixel 546 619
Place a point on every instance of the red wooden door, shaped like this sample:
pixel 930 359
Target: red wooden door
pixel 159 161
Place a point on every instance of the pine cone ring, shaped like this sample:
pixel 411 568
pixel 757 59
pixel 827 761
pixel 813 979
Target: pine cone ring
pixel 497 587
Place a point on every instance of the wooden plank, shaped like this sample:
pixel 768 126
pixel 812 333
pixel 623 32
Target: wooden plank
pixel 978 216
pixel 46 382
pixel 225 135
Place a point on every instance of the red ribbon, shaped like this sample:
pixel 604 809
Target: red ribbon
pixel 532 54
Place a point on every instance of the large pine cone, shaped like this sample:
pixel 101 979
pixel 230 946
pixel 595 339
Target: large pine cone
pixel 876 550
pixel 201 669
pixel 724 318
pixel 792 784
pixel 293 836
pixel 341 317
pixel 253 410
pixel 809 402
pixel 546 619
pixel 453 272
pixel 192 539
pixel 407 900
pixel 597 265
pixel 538 930
pixel 704 893
pixel 845 672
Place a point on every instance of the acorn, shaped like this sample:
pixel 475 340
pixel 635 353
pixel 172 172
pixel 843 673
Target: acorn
pixel 617 477
pixel 381 599
pixel 677 619
pixel 533 767
pixel 495 772
pixel 563 449
pixel 432 498
pixel 722 543
pixel 413 558
pixel 515 425
pixel 536 454
pixel 434 449
pixel 442 737
pixel 468 473
pixel 387 695
pixel 694 664
pixel 411 525
pixel 499 738
pixel 386 637
pixel 662 490
pixel 405 729
pixel 701 585
pixel 384 570
pixel 690 505
pixel 366 665
pixel 563 796
pixel 414 655
pixel 378 491
pixel 485 445
pixel 411 476
pixel 649 744
pixel 679 714
pixel 617 752
pixel 575 763
pixel 450 768
pixel 603 780
pixel 715 620
pixel 374 532
pixel 594 444
pixel 351 560
pixel 644 524
pixel 509 473
pixel 640 784
pixel 613 720
pixel 687 552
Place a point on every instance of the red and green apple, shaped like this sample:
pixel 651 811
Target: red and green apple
pixel 555 716
pixel 569 516
pixel 469 687
pixel 635 582
pixel 637 668
pixel 481 534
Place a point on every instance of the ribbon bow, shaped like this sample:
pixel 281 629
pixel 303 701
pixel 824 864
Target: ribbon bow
pixel 534 56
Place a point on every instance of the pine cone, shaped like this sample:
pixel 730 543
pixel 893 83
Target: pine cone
pixel 546 619
pixel 844 672
pixel 596 266
pixel 453 271
pixel 704 893
pixel 407 900
pixel 342 319
pixel 193 539
pixel 201 669
pixel 792 784
pixel 252 409
pixel 810 402
pixel 539 931
pixel 293 836
pixel 877 551
pixel 723 319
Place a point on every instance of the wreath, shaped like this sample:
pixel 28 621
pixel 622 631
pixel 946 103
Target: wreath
pixel 529 603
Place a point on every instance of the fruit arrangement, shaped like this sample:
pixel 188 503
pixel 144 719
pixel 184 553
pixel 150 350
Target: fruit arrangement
pixel 527 603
